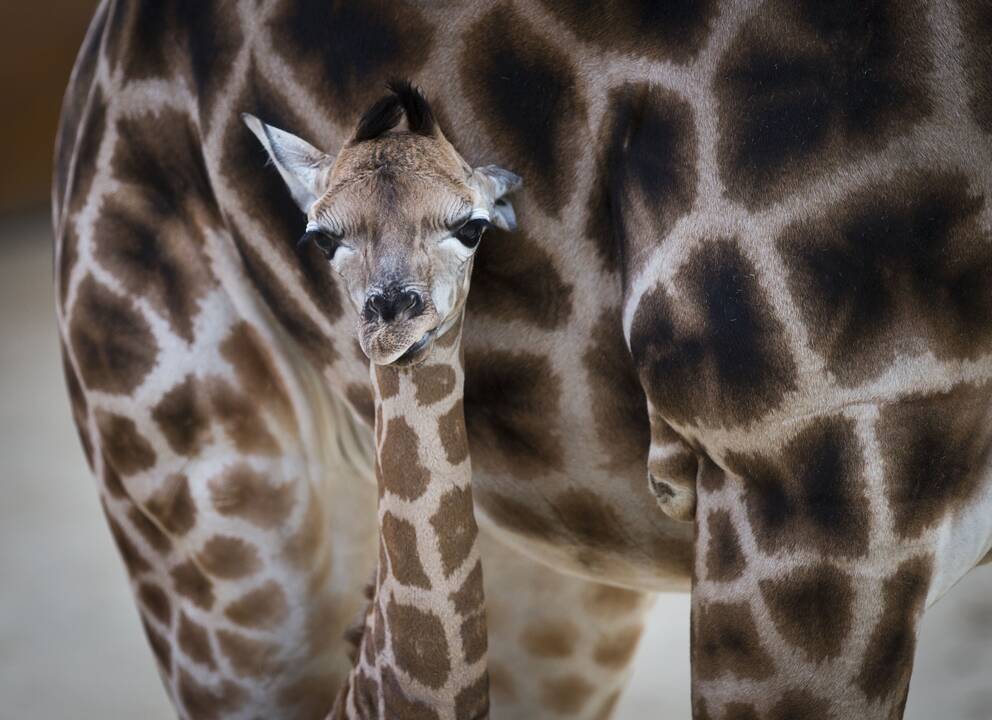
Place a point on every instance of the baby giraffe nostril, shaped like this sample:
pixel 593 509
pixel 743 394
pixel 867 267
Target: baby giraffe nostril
pixel 394 304
pixel 413 305
pixel 375 305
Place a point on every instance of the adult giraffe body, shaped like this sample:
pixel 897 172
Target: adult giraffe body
pixel 754 260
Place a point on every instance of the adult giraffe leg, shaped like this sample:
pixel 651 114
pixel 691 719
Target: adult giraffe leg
pixel 559 646
pixel 247 568
pixel 805 603
pixel 247 539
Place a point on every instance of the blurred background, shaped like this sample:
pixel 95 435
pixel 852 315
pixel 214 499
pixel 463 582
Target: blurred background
pixel 70 641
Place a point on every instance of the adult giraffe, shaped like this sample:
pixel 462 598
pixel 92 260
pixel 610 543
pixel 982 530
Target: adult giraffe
pixel 754 258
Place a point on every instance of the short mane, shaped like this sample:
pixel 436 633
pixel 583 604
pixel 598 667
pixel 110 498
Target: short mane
pixel 385 113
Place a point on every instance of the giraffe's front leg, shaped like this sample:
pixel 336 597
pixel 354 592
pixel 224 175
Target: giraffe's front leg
pixel 804 605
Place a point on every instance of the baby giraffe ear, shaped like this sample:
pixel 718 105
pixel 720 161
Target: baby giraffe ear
pixel 498 183
pixel 301 165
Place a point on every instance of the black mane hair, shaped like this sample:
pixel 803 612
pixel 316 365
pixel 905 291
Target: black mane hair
pixel 385 113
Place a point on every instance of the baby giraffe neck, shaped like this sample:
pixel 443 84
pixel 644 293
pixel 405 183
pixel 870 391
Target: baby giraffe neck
pixel 423 649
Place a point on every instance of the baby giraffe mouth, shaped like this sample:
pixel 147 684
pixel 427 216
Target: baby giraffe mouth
pixel 416 351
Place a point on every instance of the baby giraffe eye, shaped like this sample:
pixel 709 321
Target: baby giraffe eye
pixel 470 233
pixel 326 242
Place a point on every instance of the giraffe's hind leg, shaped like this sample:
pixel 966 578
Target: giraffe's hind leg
pixel 559 646
pixel 247 537
pixel 246 548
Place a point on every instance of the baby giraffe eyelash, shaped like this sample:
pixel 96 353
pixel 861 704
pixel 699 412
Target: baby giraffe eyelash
pixel 471 232
pixel 324 240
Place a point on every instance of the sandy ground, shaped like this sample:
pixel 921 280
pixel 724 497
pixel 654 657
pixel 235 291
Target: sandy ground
pixel 70 642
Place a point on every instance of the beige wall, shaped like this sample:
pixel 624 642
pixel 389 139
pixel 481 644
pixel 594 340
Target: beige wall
pixel 38 44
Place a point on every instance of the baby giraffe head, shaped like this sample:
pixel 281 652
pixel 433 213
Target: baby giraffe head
pixel 398 214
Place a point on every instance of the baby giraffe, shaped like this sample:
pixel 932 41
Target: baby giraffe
pixel 399 214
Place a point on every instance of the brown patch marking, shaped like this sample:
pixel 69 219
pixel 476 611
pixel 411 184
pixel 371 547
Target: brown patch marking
pixel 888 661
pixel 419 644
pixel 397 705
pixel 434 383
pixel 709 347
pixel 618 403
pixel 153 599
pixel 399 461
pixel 454 527
pixel 149 530
pixel 241 417
pixel 134 561
pixel 207 703
pixel 112 343
pixel 247 351
pixel 248 657
pixel 550 638
pixel 194 641
pixel 399 538
pixel 724 559
pixel 301 549
pixel 812 494
pixel 472 701
pixel 511 412
pixel 172 505
pixel 183 417
pixel 725 641
pixel 565 695
pixel 514 278
pixel 191 583
pixel 126 449
pixel 610 601
pixel 812 608
pixel 935 450
pixel 617 650
pixel 161 648
pixel 263 607
pixel 454 437
pixel 229 557
pixel 241 491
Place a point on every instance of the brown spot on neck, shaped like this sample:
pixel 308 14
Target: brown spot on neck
pixel 455 528
pixel 401 472
pixel 454 437
pixel 434 383
pixel 399 538
pixel 419 644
